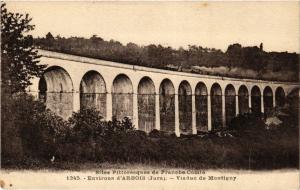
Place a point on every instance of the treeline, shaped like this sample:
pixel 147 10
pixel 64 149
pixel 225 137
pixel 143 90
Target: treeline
pixel 237 61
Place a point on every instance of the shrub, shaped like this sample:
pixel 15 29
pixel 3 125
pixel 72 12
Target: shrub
pixel 247 121
pixel 115 126
pixel 160 134
pixel 17 112
pixel 86 124
pixel 36 129
pixel 85 133
pixel 44 133
pixel 92 138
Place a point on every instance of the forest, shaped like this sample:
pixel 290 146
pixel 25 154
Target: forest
pixel 237 61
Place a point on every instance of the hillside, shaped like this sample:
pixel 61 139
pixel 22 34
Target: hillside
pixel 237 61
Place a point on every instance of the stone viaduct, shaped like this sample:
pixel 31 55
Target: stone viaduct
pixel 170 101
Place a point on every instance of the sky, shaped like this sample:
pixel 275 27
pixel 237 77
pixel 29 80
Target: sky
pixel 175 24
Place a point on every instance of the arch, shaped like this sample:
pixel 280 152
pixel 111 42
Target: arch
pixel 93 92
pixel 146 86
pixel 243 96
pixel 279 97
pixel 167 105
pixel 230 103
pixel 216 106
pixel 122 97
pixel 146 104
pixel 268 100
pixel 185 88
pixel 185 107
pixel 256 100
pixel 201 106
pixel 56 90
pixel 42 89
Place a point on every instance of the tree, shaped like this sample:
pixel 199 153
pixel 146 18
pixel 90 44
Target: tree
pixel 95 39
pixel 49 36
pixel 50 40
pixel 235 55
pixel 19 59
pixel 19 63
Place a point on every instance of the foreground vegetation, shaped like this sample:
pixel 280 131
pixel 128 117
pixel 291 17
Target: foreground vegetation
pixel 33 137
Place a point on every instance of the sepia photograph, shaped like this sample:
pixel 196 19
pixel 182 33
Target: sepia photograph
pixel 150 95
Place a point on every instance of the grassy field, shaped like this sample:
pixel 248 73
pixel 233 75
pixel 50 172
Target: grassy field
pixel 249 150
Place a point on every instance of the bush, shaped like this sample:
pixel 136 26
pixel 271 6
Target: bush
pixel 85 131
pixel 117 127
pixel 160 134
pixel 92 138
pixel 17 111
pixel 29 130
pixel 44 133
pixel 86 124
pixel 247 121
